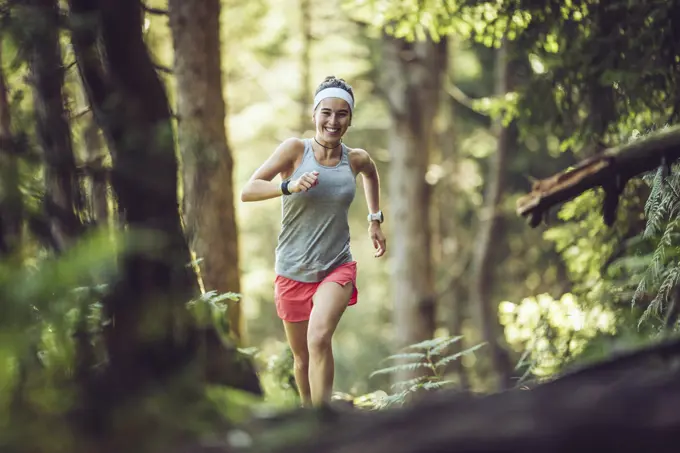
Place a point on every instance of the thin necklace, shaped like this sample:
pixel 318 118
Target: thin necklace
pixel 327 147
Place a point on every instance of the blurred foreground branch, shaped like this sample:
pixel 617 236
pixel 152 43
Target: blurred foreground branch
pixel 630 400
pixel 609 169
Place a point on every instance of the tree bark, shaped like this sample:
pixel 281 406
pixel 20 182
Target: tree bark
pixel 207 161
pixel 63 199
pixel 11 206
pixel 412 76
pixel 488 240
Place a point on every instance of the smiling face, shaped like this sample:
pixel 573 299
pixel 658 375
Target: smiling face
pixel 332 118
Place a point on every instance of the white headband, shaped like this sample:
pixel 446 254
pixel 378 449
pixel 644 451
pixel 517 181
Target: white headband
pixel 333 92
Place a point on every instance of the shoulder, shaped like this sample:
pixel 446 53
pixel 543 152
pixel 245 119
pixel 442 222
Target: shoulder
pixel 292 146
pixel 289 152
pixel 359 159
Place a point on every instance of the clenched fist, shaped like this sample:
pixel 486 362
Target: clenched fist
pixel 304 182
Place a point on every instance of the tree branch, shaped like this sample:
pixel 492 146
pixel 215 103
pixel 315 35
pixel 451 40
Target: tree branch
pixel 609 169
pixel 465 101
pixel 460 97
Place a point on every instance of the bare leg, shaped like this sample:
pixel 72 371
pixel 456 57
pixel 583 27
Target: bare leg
pixel 296 333
pixel 330 301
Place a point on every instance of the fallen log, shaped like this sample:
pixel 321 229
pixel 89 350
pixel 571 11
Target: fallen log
pixel 628 402
pixel 635 415
pixel 610 169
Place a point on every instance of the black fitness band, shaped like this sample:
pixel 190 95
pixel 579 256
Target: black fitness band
pixel 284 187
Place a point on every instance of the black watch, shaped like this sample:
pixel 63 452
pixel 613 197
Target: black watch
pixel 284 187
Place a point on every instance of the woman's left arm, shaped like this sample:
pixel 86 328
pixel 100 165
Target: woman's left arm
pixel 369 173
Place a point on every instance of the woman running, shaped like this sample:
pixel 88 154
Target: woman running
pixel 315 271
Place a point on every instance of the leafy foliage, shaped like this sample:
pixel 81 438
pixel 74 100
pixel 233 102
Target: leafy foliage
pixel 210 308
pixel 588 248
pixel 594 67
pixel 658 269
pixel 52 330
pixel 432 357
pixel 552 333
pixel 637 260
pixel 49 304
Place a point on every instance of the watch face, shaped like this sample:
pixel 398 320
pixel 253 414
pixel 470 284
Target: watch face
pixel 377 216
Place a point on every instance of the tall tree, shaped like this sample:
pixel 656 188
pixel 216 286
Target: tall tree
pixel 148 335
pixel 452 246
pixel 10 196
pixel 151 337
pixel 207 162
pixel 489 238
pixel 412 85
pixel 62 189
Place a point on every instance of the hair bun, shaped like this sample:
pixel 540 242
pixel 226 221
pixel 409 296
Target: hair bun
pixel 334 82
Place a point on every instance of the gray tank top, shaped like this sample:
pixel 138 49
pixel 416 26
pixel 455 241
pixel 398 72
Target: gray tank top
pixel 314 237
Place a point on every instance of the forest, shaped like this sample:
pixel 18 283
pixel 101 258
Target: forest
pixel 529 298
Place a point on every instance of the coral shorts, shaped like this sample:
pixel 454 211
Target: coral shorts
pixel 294 299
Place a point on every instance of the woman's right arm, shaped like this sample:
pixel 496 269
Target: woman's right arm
pixel 282 161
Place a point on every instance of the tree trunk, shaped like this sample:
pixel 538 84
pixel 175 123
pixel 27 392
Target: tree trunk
pixel 454 256
pixel 150 333
pixel 99 180
pixel 63 200
pixel 305 64
pixel 151 338
pixel 11 206
pixel 412 77
pixel 488 240
pixel 207 162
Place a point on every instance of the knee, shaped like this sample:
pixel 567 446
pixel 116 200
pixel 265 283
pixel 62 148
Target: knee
pixel 301 361
pixel 319 341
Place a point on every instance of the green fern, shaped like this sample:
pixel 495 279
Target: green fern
pixel 654 205
pixel 661 272
pixel 431 355
pixel 402 367
pixel 442 363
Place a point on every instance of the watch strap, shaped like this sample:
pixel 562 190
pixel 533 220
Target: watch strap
pixel 284 187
